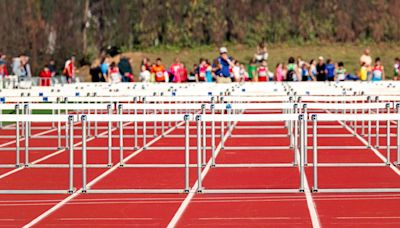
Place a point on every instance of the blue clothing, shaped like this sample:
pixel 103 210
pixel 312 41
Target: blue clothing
pixel 104 68
pixel 330 68
pixel 208 76
pixel 225 72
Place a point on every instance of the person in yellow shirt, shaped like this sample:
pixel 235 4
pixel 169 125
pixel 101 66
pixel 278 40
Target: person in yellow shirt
pixel 363 72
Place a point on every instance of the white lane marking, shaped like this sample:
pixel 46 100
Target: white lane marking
pixel 312 209
pixel 106 219
pixel 370 217
pixel 251 218
pixel 72 196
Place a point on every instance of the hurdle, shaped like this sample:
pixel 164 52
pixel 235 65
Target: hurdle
pixel 315 118
pixel 43 118
pixel 247 118
pixel 120 118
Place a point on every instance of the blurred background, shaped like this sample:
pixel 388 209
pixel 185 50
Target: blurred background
pixel 339 29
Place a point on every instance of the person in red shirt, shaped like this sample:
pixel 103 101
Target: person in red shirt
pixel 69 69
pixel 45 76
pixel 177 69
pixel 3 69
pixel 159 72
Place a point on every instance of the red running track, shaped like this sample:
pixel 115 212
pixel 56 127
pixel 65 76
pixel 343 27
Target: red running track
pixel 275 210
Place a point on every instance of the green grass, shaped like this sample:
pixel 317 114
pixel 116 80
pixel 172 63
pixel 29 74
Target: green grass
pixel 36 112
pixel 349 53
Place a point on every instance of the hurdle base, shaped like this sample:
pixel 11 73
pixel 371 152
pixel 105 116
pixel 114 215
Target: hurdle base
pixel 397 164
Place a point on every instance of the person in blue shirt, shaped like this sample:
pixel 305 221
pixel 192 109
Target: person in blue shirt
pixel 222 70
pixel 330 70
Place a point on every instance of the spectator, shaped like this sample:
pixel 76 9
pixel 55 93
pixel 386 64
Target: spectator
pixel 18 67
pixel 97 75
pixel 244 76
pixel 378 72
pixel 293 73
pixel 201 75
pixel 363 72
pixel 279 76
pixel 125 69
pixel 313 70
pixel 45 76
pixel 146 63
pixel 330 70
pixel 223 69
pixel 367 60
pixel 159 72
pixel 236 71
pixel 252 70
pixel 209 77
pixel 262 72
pixel 193 74
pixel 262 52
pixel 284 71
pixel 321 69
pixel 396 69
pixel 145 74
pixel 27 66
pixel 305 73
pixel 104 65
pixel 69 69
pixel 176 70
pixel 113 73
pixel 184 73
pixel 3 69
pixel 52 67
pixel 341 72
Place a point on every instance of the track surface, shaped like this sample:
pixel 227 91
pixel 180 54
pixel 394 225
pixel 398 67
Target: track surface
pixel 275 210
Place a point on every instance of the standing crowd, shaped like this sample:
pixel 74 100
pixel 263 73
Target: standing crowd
pixel 20 67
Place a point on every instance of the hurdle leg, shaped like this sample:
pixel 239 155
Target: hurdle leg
pixel 295 142
pixel 121 144
pixel 144 131
pixel 377 131
pixel 17 145
pixel 305 129
pixel 398 143
pixel 155 125
pixel 26 144
pixel 187 154
pixel 109 141
pixel 388 139
pixel 212 138
pixel 222 132
pixel 204 139
pixel 71 154
pixel 135 125
pixel 369 130
pixel 302 171
pixel 84 155
pixel 59 131
pixel 315 154
pixel 199 179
